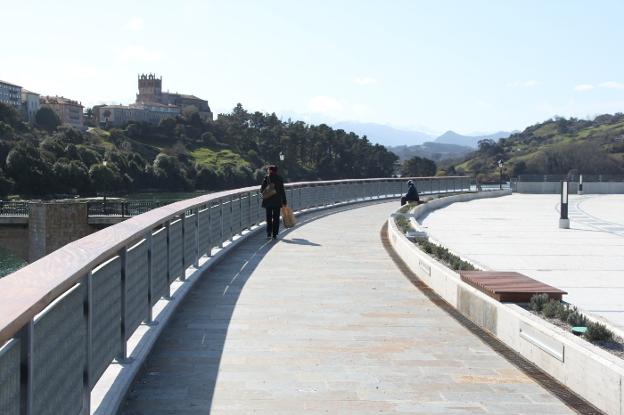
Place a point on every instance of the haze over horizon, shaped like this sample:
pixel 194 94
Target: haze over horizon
pixel 451 65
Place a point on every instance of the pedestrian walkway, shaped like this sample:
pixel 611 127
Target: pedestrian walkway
pixel 323 321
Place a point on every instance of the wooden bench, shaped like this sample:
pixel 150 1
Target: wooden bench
pixel 509 286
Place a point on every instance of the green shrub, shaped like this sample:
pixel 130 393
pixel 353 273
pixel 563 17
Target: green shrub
pixel 564 312
pixel 551 308
pixel 598 332
pixel 538 301
pixel 402 223
pixel 576 319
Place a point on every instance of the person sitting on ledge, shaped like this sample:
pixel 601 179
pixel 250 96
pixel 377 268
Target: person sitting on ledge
pixel 411 195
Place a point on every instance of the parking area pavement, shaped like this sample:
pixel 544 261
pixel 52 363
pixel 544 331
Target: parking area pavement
pixel 521 233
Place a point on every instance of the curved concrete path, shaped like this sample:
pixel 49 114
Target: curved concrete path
pixel 323 321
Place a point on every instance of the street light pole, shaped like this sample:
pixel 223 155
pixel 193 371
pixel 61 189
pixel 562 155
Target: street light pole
pixel 500 174
pixel 104 163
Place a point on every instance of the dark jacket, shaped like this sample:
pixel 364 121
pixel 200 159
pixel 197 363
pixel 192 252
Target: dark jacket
pixel 412 193
pixel 279 198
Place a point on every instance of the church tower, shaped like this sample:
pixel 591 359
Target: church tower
pixel 150 89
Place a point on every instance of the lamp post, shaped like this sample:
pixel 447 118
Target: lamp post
pixel 500 174
pixel 104 163
pixel 564 221
pixel 281 156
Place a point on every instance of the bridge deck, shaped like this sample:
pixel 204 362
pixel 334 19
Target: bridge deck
pixel 323 321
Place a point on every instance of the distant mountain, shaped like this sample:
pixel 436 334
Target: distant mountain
pixel 451 137
pixel 432 150
pixel 383 134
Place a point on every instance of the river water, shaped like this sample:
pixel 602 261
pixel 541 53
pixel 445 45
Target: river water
pixel 10 263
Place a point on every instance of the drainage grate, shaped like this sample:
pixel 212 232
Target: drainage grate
pixel 565 395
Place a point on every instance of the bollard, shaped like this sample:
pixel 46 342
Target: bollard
pixel 580 186
pixel 564 222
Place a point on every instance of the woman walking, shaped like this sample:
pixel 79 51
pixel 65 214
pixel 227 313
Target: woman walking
pixel 273 198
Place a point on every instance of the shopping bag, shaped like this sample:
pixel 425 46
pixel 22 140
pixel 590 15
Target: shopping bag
pixel 288 217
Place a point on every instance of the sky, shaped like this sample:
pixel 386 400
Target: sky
pixel 468 66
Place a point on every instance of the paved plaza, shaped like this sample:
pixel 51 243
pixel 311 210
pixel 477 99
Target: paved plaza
pixel 323 321
pixel 521 233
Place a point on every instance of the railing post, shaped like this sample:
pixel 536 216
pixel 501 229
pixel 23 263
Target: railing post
pixel 123 354
pixel 250 217
pixel 231 217
pixel 240 212
pixel 196 262
pixel 221 219
pixel 209 229
pixel 26 337
pixel 88 314
pixel 168 230
pixel 150 295
pixel 184 221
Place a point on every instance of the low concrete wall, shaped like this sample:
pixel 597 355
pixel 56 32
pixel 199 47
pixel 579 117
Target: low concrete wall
pixel 554 187
pixel 591 372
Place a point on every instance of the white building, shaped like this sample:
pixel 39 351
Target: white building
pixel 30 105
pixel 117 115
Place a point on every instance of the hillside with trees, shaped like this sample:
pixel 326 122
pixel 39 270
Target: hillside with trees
pixel 179 154
pixel 556 146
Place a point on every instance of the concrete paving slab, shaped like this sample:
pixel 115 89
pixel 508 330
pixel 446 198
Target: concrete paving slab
pixel 326 326
pixel 520 233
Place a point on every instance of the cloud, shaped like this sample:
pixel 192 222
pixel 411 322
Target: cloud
pixel 364 80
pixel 135 24
pixel 584 87
pixel 325 105
pixel 612 85
pixel 523 84
pixel 139 54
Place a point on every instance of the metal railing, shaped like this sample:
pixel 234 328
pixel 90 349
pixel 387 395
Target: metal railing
pixel 534 178
pixel 58 335
pixel 122 209
pixel 14 209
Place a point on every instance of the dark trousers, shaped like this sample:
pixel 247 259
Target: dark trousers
pixel 272 221
pixel 404 200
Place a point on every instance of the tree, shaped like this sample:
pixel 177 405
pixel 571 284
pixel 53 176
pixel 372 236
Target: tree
pixel 9 115
pixel 47 119
pixel 418 166
pixel 6 185
pixel 103 177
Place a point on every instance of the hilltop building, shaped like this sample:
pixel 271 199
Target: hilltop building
pixel 30 105
pixel 69 111
pixel 117 115
pixel 152 105
pixel 150 92
pixel 11 94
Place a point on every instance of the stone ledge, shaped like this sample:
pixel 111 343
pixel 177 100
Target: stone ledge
pixel 589 371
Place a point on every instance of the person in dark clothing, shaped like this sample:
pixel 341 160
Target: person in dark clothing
pixel 274 203
pixel 412 194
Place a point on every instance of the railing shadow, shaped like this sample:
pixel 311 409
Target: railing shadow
pixel 181 372
pixel 299 241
